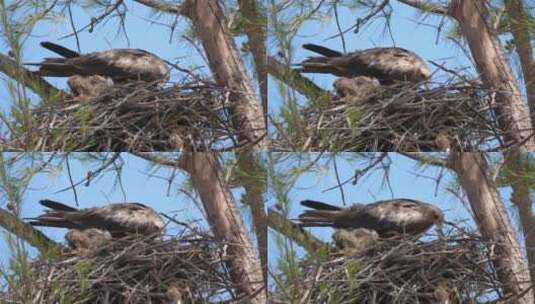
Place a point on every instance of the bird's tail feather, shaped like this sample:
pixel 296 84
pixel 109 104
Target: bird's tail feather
pixel 53 223
pixel 52 218
pixel 60 50
pixel 56 205
pixel 317 65
pixel 319 205
pixel 327 52
pixel 317 218
pixel 58 67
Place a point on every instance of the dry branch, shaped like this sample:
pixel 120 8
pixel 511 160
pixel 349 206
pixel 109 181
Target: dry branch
pixel 455 115
pixel 187 268
pixel 134 116
pixel 453 268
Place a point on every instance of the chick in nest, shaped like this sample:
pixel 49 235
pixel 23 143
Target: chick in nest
pixel 356 90
pixel 352 242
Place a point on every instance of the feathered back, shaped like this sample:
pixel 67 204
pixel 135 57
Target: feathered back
pixel 386 64
pixel 118 64
pixel 385 217
pixel 118 219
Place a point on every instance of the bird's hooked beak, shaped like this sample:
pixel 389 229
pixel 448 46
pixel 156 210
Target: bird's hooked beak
pixel 425 73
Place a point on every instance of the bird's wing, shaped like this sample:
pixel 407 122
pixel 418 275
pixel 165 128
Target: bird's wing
pixel 60 50
pixel 121 217
pixel 338 218
pixel 54 217
pixel 56 205
pixel 121 64
pixel 319 205
pixel 327 52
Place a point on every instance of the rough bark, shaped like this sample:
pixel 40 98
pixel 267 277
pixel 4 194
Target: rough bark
pixel 519 180
pixel 226 222
pixel 494 70
pixel 520 28
pixel 256 33
pixel 228 69
pixel 253 178
pixel 491 217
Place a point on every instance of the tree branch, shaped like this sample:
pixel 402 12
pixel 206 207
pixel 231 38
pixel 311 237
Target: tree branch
pixel 295 80
pixel 253 177
pixel 521 27
pixel 26 232
pixel 493 222
pixel 162 6
pixel 30 79
pixel 282 225
pixel 226 222
pixel 427 7
pixel 255 29
pixel 229 70
pixel 426 158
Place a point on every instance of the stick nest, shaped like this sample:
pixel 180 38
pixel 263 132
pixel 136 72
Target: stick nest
pixel 134 116
pixel 189 268
pixel 452 269
pixel 457 115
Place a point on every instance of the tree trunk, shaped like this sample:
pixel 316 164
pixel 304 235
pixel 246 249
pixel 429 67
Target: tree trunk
pixel 256 33
pixel 520 181
pixel 512 112
pixel 253 177
pixel 228 69
pixel 226 222
pixel 493 222
pixel 521 27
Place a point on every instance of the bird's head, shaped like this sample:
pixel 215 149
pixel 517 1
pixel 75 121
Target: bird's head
pixel 424 72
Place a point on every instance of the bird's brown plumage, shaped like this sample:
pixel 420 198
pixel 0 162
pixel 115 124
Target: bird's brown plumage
pixel 118 64
pixel 118 219
pixel 354 241
pixel 86 87
pixel 87 239
pixel 388 64
pixel 387 217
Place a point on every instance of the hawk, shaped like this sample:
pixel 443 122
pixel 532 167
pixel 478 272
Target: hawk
pixel 356 91
pixel 387 217
pixel 354 241
pixel 87 87
pixel 87 239
pixel 117 219
pixel 387 64
pixel 121 65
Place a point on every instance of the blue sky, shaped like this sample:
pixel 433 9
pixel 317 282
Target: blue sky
pixel 409 30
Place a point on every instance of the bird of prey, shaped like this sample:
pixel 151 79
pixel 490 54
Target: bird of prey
pixel 356 91
pixel 121 65
pixel 87 87
pixel 387 217
pixel 354 241
pixel 87 239
pixel 118 219
pixel 387 64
